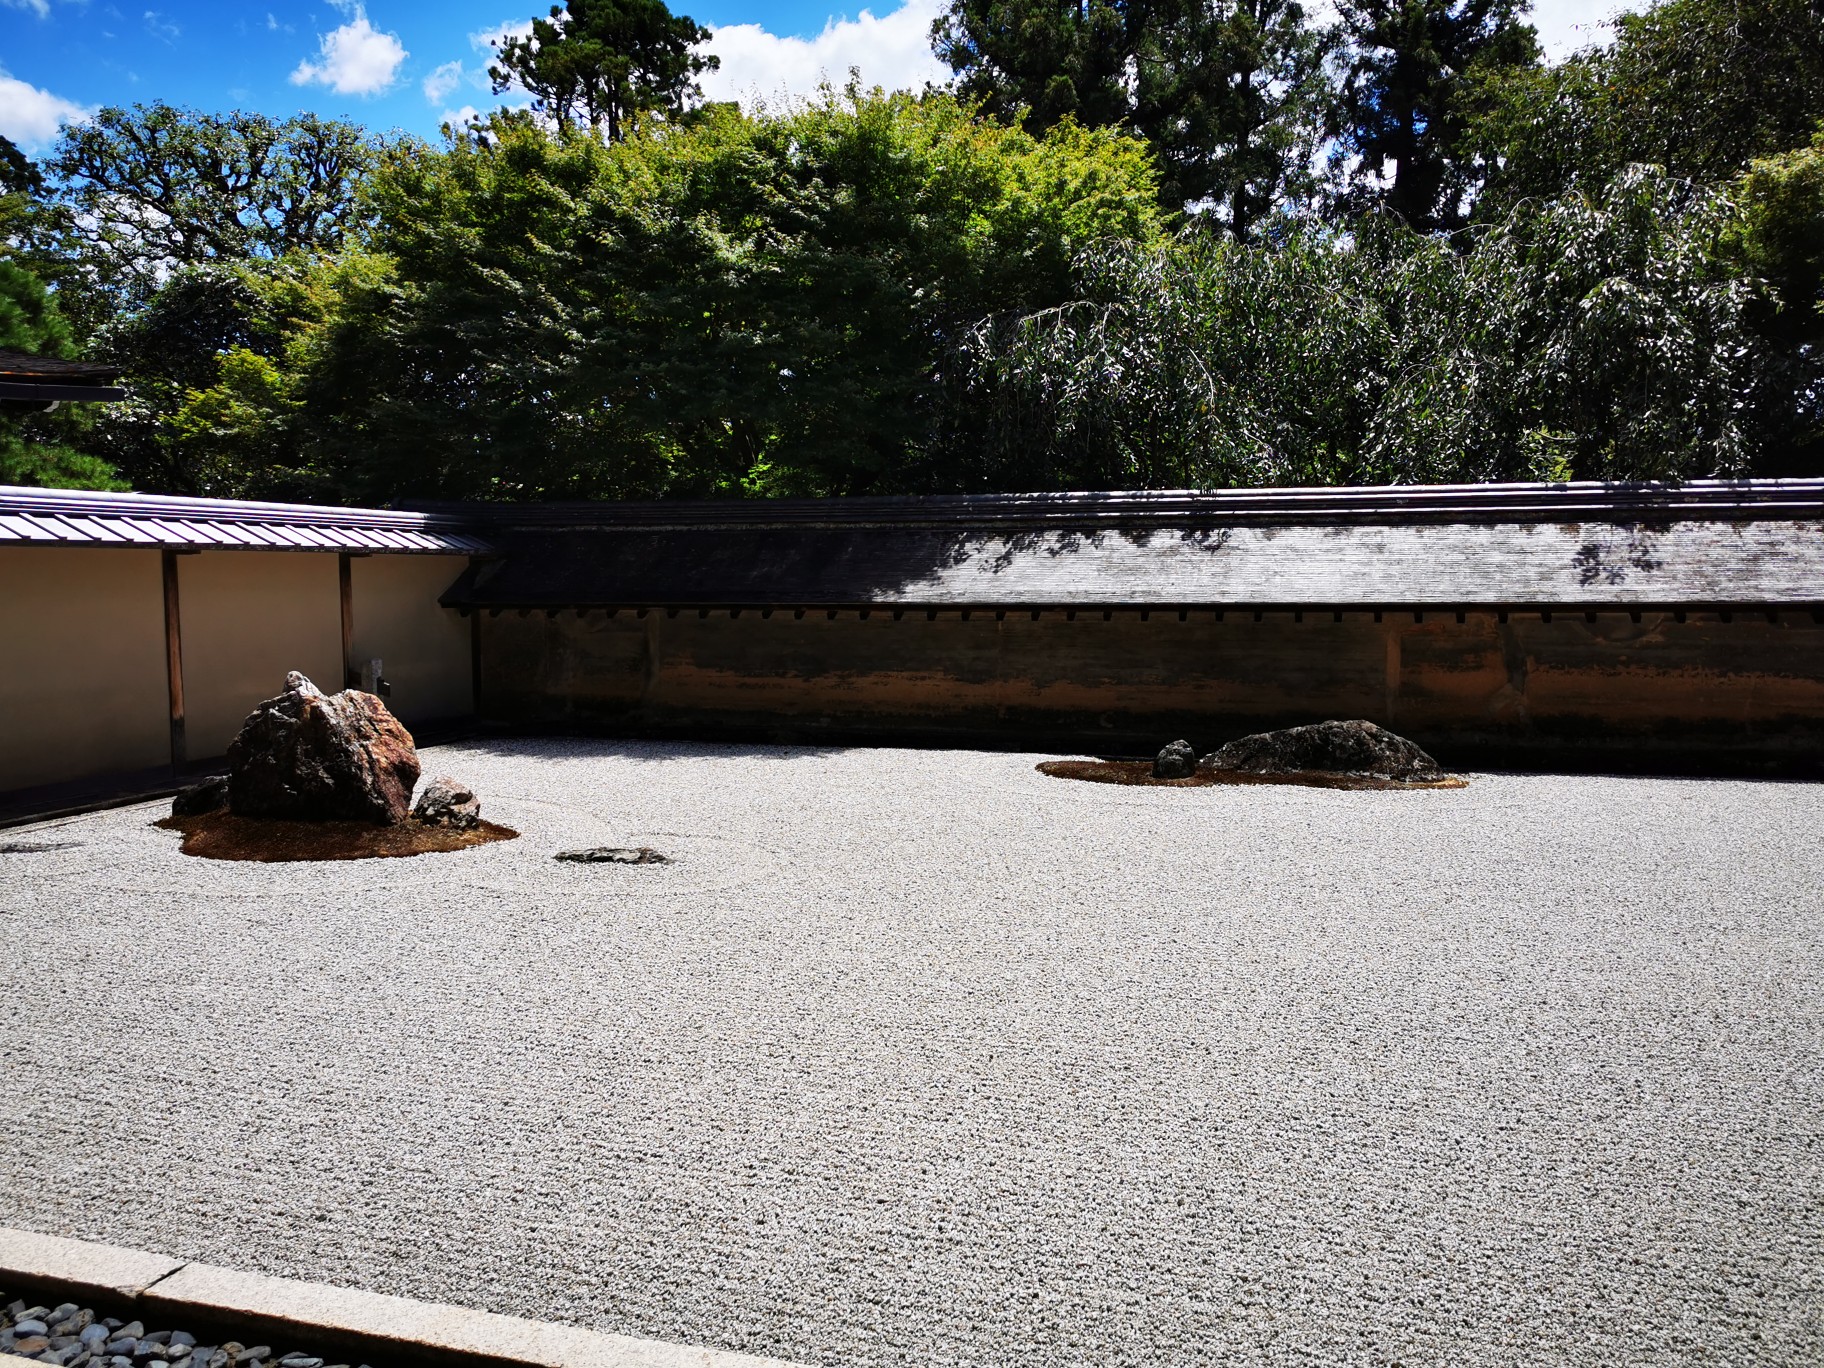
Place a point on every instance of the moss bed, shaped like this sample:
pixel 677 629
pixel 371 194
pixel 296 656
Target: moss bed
pixel 1140 774
pixel 223 836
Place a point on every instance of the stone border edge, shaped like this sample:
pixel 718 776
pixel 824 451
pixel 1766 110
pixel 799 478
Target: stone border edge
pixel 369 1326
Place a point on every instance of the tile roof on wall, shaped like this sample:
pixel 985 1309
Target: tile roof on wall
pixel 1580 545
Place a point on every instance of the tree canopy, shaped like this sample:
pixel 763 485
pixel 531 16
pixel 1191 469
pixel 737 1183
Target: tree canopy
pixel 606 63
pixel 1139 242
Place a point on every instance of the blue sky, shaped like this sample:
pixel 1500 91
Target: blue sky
pixel 409 64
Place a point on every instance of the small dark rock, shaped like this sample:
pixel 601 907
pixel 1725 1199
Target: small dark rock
pixel 449 803
pixel 300 1361
pixel 182 1337
pixel 611 855
pixel 210 795
pixel 31 1345
pixel 1353 748
pixel 121 1344
pixel 156 1337
pixel 258 1351
pixel 27 1326
pixel 95 1336
pixel 132 1330
pixel 63 1341
pixel 63 1311
pixel 1176 761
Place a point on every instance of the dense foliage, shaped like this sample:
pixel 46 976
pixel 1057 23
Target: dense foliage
pixel 1593 338
pixel 1140 243
pixel 745 305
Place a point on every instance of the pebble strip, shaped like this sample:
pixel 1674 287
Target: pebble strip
pixel 72 1336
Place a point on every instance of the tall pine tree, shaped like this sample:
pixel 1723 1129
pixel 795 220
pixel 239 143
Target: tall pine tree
pixel 1403 130
pixel 1229 93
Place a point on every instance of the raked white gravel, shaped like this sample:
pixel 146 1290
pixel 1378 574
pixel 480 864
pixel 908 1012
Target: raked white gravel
pixel 921 1057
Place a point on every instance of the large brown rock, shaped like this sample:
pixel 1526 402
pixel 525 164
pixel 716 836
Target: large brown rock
pixel 1352 748
pixel 312 756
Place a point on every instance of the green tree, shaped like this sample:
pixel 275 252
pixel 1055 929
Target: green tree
pixel 1233 96
pixel 1590 338
pixel 33 449
pixel 743 305
pixel 215 361
pixel 148 191
pixel 606 63
pixel 20 184
pixel 1048 59
pixel 1230 94
pixel 1779 238
pixel 1405 115
pixel 1700 87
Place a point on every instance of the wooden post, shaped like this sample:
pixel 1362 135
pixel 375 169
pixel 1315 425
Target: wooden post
pixel 475 661
pixel 345 580
pixel 174 660
pixel 1390 706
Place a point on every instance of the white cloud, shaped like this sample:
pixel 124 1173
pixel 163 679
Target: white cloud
pixel 456 118
pixel 357 59
pixel 41 8
pixel 160 27
pixel 1567 25
pixel 484 41
pixel 31 117
pixel 893 51
pixel 439 84
pixel 1564 25
pixel 487 42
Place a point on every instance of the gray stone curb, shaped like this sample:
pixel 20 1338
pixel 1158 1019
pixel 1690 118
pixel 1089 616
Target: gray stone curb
pixel 373 1326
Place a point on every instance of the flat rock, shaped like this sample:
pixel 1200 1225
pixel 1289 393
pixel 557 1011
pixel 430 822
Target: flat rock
pixel 614 855
pixel 311 756
pixel 447 802
pixel 1352 748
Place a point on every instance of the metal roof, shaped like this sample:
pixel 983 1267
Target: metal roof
pixel 77 517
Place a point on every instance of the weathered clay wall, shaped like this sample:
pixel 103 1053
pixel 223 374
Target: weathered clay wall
pixel 248 617
pixel 424 648
pixel 82 664
pixel 1568 690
